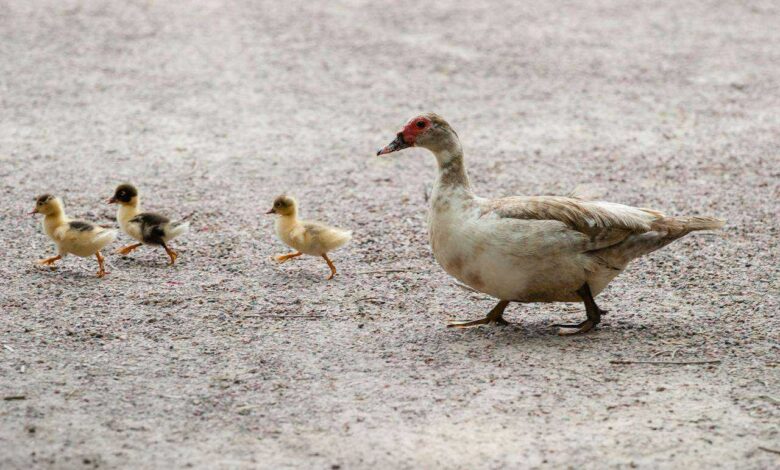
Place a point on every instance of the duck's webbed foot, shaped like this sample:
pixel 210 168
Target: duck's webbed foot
pixel 593 311
pixel 494 316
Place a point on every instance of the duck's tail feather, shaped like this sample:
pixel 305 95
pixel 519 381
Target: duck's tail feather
pixel 663 232
pixel 692 224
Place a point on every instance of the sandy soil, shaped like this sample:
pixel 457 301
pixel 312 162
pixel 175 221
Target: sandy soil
pixel 229 361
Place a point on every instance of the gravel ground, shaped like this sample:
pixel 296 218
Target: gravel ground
pixel 229 361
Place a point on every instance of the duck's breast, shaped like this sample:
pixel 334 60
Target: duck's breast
pixel 522 260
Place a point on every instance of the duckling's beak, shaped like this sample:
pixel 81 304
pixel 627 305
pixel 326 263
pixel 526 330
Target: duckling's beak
pixel 271 211
pixel 398 144
pixel 34 211
pixel 111 200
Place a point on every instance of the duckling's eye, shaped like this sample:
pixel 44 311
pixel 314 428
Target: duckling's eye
pixel 278 204
pixel 420 124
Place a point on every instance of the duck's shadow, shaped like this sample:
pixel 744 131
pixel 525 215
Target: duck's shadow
pixel 542 333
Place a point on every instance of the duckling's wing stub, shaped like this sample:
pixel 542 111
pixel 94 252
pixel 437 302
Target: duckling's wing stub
pixel 152 227
pixel 81 226
pixel 325 237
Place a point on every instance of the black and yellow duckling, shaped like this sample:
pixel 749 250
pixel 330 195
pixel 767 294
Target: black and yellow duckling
pixel 148 228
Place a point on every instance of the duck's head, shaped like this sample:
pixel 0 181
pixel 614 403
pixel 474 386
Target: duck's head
pixel 47 204
pixel 428 130
pixel 284 205
pixel 125 194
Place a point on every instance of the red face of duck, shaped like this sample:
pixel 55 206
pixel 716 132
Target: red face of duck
pixel 407 137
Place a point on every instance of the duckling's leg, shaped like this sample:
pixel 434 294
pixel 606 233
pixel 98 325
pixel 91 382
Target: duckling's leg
pixel 128 248
pixel 494 316
pixel 101 268
pixel 171 254
pixel 282 258
pixel 49 261
pixel 331 266
pixel 593 311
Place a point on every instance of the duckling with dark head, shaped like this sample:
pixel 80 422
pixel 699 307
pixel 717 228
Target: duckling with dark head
pixel 148 228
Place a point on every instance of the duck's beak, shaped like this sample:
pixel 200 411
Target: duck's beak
pixel 111 200
pixel 398 144
pixel 33 212
pixel 271 211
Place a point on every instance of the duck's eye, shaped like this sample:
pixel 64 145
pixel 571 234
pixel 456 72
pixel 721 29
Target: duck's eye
pixel 420 124
pixel 278 204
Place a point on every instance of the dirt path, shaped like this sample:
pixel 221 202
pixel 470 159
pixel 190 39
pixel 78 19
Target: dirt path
pixel 213 109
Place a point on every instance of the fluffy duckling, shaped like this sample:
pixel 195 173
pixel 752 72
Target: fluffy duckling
pixel 71 236
pixel 531 248
pixel 306 237
pixel 146 227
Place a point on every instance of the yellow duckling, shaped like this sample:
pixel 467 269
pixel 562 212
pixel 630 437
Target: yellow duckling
pixel 306 237
pixel 71 236
pixel 146 227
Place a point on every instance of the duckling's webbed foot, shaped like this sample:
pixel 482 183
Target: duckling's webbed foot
pixel 283 258
pixel 494 316
pixel 101 267
pixel 49 261
pixel 331 266
pixel 171 254
pixel 593 311
pixel 125 250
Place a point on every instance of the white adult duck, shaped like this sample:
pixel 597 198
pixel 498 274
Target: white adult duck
pixel 531 248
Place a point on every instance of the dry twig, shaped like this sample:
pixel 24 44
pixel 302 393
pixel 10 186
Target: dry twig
pixel 390 270
pixel 712 361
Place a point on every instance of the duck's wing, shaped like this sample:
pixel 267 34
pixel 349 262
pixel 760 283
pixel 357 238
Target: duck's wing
pixel 579 214
pixel 600 223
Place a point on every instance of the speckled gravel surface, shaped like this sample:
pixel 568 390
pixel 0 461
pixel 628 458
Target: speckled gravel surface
pixel 229 361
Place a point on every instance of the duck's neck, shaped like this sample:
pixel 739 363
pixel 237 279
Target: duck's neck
pixel 125 212
pixel 453 178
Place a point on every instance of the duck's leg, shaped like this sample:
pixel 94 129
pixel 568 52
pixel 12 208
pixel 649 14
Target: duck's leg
pixel 49 261
pixel 282 258
pixel 171 254
pixel 494 316
pixel 101 267
pixel 593 311
pixel 330 265
pixel 128 248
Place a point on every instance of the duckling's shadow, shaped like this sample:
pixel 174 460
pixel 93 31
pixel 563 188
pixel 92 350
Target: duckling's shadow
pixel 61 273
pixel 303 275
pixel 131 262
